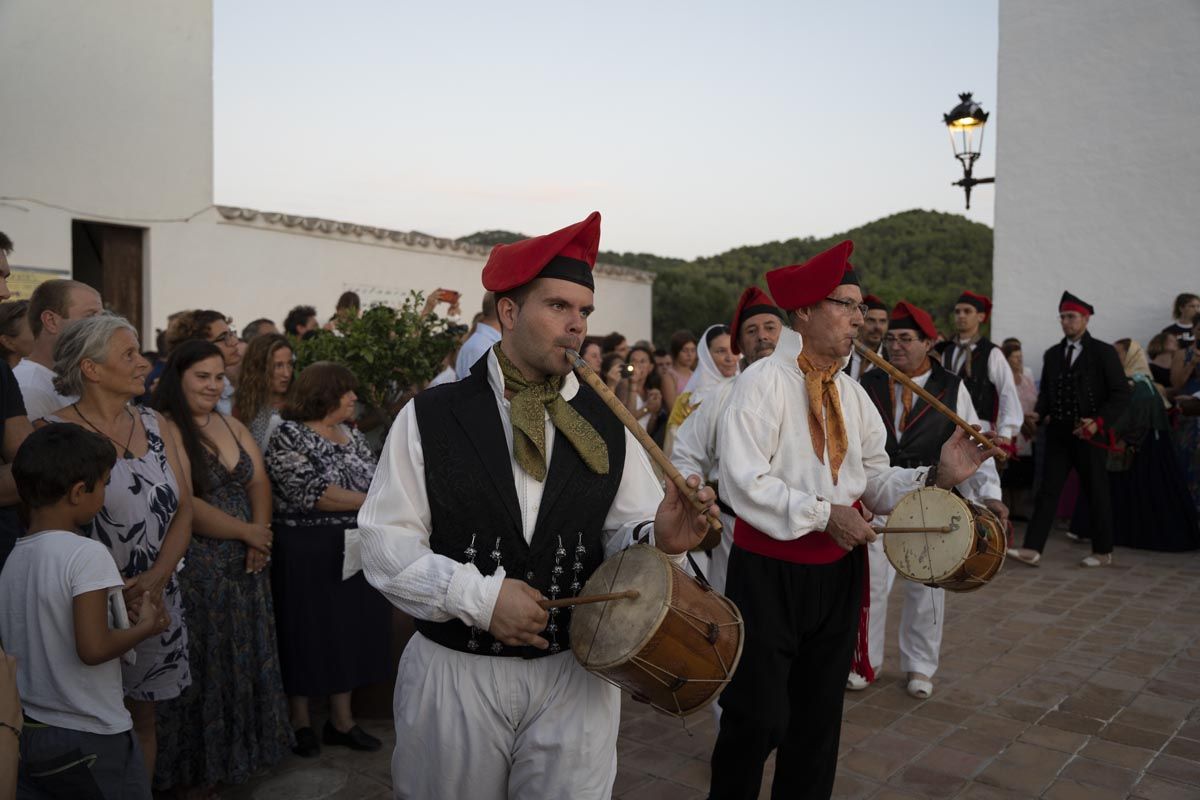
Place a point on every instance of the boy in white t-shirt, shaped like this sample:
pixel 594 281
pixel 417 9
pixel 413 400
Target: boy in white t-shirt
pixel 54 617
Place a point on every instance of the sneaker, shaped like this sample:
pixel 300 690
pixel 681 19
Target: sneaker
pixel 856 682
pixel 1076 538
pixel 920 687
pixel 1028 557
pixel 1096 560
pixel 306 745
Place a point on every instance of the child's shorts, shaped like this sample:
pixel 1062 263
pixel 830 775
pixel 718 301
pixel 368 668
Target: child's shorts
pixel 60 762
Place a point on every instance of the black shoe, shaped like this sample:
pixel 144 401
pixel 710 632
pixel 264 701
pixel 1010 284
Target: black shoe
pixel 355 738
pixel 306 745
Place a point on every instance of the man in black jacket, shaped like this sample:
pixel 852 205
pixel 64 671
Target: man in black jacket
pixel 1083 391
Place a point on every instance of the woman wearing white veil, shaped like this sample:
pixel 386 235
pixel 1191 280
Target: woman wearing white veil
pixel 716 368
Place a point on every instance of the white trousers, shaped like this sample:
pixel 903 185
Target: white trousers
pixel 496 728
pixel 921 618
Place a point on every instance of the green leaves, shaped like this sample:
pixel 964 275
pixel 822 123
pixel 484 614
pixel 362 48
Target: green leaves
pixel 389 350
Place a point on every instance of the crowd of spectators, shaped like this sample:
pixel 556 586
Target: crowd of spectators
pixel 220 485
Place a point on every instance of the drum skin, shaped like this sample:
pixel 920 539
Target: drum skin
pixel 675 646
pixel 960 561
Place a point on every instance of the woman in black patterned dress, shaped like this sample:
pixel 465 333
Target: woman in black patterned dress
pixel 232 721
pixel 334 634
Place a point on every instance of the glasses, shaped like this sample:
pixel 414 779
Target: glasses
pixel 849 306
pixel 228 337
pixel 904 340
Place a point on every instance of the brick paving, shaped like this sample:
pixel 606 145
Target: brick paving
pixel 1055 682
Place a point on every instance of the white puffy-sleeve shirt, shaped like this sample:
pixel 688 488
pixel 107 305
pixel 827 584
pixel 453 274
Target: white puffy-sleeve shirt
pixel 769 471
pixel 1009 415
pixel 395 522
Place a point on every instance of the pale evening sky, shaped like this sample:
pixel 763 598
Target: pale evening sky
pixel 693 127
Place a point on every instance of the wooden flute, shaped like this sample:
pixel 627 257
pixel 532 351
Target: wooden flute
pixel 652 449
pixel 938 405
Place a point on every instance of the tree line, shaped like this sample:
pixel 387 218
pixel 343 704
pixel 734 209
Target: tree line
pixel 925 257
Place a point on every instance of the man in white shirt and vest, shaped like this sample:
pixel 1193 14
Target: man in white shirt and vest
pixel 915 435
pixel 802 448
pixel 983 368
pixel 493 493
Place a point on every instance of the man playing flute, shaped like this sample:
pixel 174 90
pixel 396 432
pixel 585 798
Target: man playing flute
pixel 801 446
pixel 493 493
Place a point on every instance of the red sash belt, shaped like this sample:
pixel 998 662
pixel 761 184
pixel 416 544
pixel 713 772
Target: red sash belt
pixel 817 547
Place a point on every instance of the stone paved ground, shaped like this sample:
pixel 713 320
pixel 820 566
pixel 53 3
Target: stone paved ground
pixel 1055 682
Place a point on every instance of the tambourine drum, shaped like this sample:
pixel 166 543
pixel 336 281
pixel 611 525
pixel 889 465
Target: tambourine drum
pixel 675 646
pixel 961 560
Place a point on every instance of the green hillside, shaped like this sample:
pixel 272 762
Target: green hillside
pixel 926 257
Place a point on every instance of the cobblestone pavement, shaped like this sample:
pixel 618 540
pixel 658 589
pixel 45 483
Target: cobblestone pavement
pixel 1055 682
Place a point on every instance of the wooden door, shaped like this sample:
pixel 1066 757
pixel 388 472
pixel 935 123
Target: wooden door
pixel 109 258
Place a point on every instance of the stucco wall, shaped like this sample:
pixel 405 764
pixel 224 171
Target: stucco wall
pixel 1098 171
pixel 251 269
pixel 107 106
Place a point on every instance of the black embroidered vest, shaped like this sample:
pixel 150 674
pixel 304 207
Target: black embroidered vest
pixel 476 517
pixel 921 442
pixel 984 396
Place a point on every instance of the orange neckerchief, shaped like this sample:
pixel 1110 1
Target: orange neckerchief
pixel 823 397
pixel 906 394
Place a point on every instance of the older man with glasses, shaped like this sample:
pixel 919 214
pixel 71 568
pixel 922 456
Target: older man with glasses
pixel 915 435
pixel 802 450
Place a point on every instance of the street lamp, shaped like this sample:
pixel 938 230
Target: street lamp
pixel 966 122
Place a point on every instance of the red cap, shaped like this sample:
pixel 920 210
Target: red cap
pixel 569 254
pixel 801 285
pixel 906 316
pixel 874 302
pixel 1070 302
pixel 753 301
pixel 981 303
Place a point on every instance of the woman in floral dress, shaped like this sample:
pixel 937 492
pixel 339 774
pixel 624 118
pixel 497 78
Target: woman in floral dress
pixel 334 633
pixel 146 521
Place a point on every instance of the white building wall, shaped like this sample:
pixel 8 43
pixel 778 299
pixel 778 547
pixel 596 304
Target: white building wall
pixel 1097 166
pixel 107 106
pixel 250 268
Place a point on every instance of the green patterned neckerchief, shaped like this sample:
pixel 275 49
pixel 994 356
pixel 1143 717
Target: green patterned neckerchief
pixel 529 424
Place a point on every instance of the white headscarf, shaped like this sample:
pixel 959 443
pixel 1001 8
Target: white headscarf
pixel 707 377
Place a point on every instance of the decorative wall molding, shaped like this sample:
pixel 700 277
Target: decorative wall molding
pixel 415 239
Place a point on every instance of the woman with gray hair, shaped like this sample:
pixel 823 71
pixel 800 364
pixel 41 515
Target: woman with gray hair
pixel 146 521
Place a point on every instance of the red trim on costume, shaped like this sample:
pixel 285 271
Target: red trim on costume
pixel 861 663
pixel 817 547
pixel 1067 305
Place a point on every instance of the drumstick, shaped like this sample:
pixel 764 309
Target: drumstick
pixel 938 405
pixel 943 529
pixel 567 602
pixel 658 456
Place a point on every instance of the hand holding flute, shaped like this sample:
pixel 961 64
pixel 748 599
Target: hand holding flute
pixel 687 513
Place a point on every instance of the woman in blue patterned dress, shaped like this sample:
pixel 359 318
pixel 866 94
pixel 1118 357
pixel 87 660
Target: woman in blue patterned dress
pixel 334 634
pixel 233 720
pixel 146 521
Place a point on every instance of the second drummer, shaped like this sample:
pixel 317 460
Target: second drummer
pixel 801 444
pixel 915 435
pixel 493 493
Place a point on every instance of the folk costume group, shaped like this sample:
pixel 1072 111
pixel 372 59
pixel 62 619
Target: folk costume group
pixel 514 484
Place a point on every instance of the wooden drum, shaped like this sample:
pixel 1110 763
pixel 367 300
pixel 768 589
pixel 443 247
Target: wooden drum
pixel 959 560
pixel 675 646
